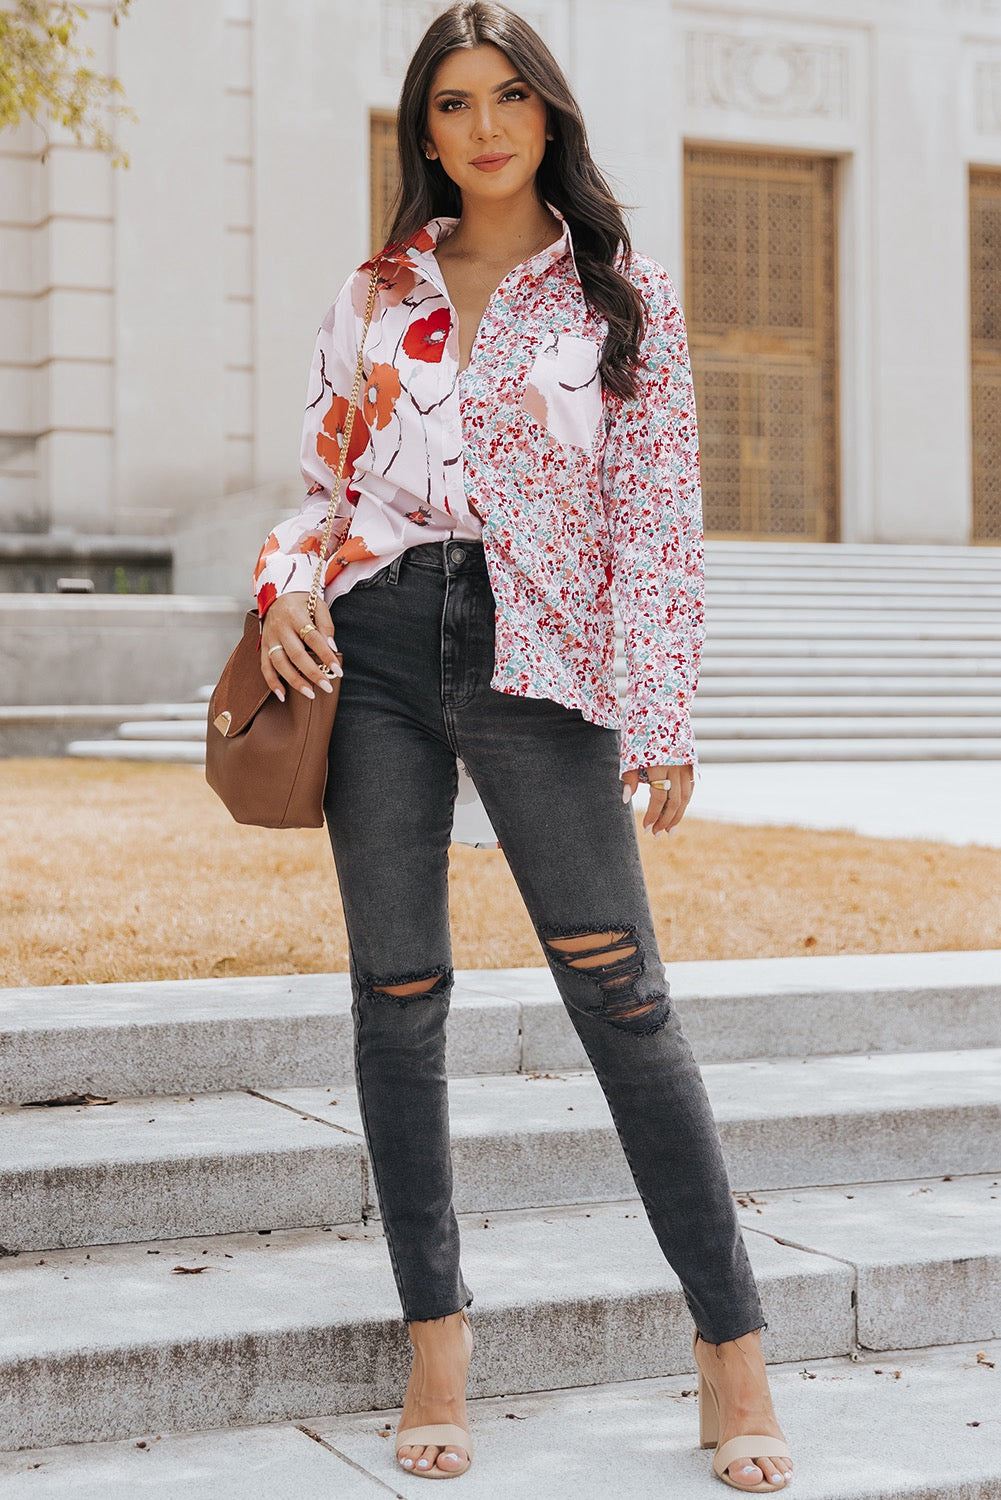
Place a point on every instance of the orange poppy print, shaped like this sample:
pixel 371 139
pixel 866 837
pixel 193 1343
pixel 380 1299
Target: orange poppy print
pixel 309 543
pixel 330 438
pixel 355 549
pixel 271 545
pixel 381 395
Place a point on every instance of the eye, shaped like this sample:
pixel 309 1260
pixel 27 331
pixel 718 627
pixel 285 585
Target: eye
pixel 515 94
pixel 445 105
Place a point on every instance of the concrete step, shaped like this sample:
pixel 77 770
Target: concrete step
pixel 981 673
pixel 215 1035
pixel 740 720
pixel 950 725
pixel 47 729
pixel 188 751
pixel 118 1340
pixel 731 749
pixel 164 729
pixel 641 1438
pixel 852 589
pixel 715 686
pixel 850 637
pixel 865 650
pixel 115 1340
pixel 940 557
pixel 709 706
pixel 814 615
pixel 164 1167
pixel 935 1410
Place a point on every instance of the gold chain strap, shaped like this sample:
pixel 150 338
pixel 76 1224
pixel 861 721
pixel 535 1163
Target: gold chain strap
pixel 335 494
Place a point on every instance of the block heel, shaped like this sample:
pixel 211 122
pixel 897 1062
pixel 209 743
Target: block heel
pixel 751 1445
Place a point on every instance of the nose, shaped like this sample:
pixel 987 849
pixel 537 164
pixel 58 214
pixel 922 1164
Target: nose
pixel 484 122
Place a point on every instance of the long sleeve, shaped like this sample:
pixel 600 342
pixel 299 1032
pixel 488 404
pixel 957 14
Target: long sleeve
pixel 287 560
pixel 653 502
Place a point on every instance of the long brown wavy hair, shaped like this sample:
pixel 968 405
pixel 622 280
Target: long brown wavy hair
pixel 567 176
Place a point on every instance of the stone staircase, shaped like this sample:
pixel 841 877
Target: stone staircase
pixel 198 1297
pixel 812 653
pixel 850 652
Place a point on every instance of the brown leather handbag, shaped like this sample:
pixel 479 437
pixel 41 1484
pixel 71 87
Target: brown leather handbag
pixel 266 759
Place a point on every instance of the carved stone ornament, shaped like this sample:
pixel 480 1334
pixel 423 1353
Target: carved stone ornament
pixel 975 7
pixel 768 76
pixel 987 96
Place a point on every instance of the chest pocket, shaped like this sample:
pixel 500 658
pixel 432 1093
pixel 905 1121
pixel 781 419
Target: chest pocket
pixel 563 389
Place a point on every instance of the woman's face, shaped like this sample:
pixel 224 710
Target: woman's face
pixel 485 125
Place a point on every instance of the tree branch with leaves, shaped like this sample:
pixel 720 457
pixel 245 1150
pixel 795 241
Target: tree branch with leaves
pixel 46 74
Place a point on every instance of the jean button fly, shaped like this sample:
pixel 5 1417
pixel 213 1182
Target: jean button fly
pixel 457 554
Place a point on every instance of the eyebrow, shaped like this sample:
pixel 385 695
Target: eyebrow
pixel 464 93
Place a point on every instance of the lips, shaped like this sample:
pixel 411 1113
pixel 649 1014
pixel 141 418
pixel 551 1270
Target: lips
pixel 491 163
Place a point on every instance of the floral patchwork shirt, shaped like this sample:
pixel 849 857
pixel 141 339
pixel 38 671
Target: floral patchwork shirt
pixel 582 495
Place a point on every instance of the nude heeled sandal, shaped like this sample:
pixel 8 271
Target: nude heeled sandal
pixel 438 1435
pixel 748 1445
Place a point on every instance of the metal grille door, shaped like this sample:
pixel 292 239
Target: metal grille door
pixel 384 174
pixel 985 306
pixel 760 301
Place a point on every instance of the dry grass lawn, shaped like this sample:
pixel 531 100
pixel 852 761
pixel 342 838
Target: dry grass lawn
pixel 118 872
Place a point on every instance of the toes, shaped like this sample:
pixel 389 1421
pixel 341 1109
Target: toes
pixel 425 1458
pixel 452 1459
pixel 745 1473
pixel 449 1460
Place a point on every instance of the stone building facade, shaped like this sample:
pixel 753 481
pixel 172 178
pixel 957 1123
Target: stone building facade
pixel 821 177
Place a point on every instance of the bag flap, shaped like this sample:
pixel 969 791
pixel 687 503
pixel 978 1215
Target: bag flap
pixel 241 690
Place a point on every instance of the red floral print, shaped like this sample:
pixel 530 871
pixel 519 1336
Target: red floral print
pixel 266 596
pixel 425 338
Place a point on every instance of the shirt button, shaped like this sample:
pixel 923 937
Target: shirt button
pixel 457 555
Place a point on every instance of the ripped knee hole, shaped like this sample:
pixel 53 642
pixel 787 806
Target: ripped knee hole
pixel 615 960
pixel 402 991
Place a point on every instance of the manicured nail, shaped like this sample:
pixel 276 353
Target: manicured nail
pixel 328 687
pixel 279 695
pixel 422 1463
pixel 627 792
pixel 337 669
pixel 407 1463
pixel 307 692
pixel 330 643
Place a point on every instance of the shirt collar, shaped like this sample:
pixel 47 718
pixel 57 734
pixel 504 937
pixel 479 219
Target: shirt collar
pixel 420 251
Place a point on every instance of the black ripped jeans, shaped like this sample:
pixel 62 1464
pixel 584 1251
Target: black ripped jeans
pixel 418 640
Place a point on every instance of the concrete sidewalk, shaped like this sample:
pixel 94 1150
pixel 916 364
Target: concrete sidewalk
pixel 953 802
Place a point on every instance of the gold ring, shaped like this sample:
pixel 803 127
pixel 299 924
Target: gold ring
pixel 661 785
pixel 274 649
pixel 307 629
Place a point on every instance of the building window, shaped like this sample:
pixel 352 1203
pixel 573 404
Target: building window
pixel 985 344
pixel 384 174
pixel 761 306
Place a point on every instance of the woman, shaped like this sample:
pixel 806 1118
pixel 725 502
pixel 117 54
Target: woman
pixel 526 441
